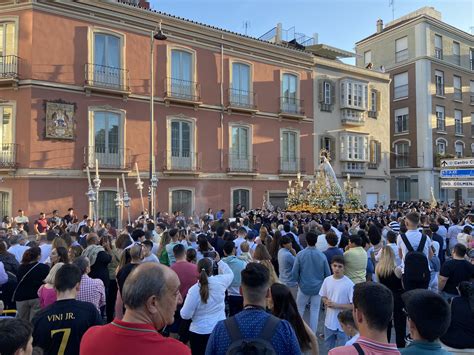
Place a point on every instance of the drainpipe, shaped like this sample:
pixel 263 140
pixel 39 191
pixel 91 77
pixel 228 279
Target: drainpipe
pixel 222 101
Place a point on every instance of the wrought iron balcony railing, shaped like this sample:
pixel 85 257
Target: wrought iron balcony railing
pixel 185 161
pixel 108 156
pixel 182 90
pixel 292 106
pixel 242 99
pixel 239 163
pixel 292 165
pixel 104 77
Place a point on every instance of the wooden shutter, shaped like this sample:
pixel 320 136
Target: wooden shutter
pixel 321 90
pixel 379 152
pixel 369 98
pixel 333 93
pixel 378 100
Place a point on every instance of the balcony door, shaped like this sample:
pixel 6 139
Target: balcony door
pixel 108 211
pixel 289 93
pixel 181 74
pixel 239 155
pixel 240 93
pixel 181 157
pixel 107 69
pixel 7 151
pixel 182 200
pixel 8 64
pixel 107 140
pixel 289 152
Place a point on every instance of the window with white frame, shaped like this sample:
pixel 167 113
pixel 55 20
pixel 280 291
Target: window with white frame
pixel 108 211
pixel 367 57
pixel 108 139
pixel 289 152
pixel 401 120
pixel 8 61
pixel 457 86
pixel 182 201
pixel 400 85
pixel 327 93
pixel 182 145
pixel 7 147
pixel 458 122
pixel 439 82
pixel 440 119
pixel 438 47
pixel 402 151
pixel 182 74
pixel 239 157
pixel 107 66
pixel 373 100
pixel 441 147
pixel 459 149
pixel 354 95
pixel 354 148
pixel 240 92
pixel 289 89
pixel 401 49
pixel 241 197
pixel 457 53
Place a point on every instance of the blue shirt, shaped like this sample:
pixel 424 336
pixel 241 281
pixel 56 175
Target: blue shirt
pixel 251 323
pixel 424 347
pixel 332 251
pixel 285 266
pixel 310 269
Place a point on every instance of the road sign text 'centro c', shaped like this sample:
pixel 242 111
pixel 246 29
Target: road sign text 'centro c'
pixel 458 163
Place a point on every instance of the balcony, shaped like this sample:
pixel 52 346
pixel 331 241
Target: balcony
pixel 9 70
pixel 353 168
pixel 109 157
pixel 181 162
pixel 291 166
pixel 106 79
pixel 439 53
pixel 182 92
pixel 372 114
pixel 353 117
pixel 241 100
pixel 241 164
pixel 8 153
pixel 291 108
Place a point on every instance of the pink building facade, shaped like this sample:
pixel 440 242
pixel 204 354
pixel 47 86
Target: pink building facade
pixel 233 116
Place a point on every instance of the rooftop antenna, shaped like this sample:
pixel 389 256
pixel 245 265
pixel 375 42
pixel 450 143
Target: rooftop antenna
pixel 391 3
pixel 246 26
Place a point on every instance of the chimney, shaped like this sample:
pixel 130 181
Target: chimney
pixel 379 25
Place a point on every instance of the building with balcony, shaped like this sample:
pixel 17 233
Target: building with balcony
pixel 216 145
pixel 432 85
pixel 351 120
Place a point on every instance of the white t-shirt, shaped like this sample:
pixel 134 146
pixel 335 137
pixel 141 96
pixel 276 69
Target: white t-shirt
pixel 339 291
pixel 152 258
pixel 237 243
pixel 414 237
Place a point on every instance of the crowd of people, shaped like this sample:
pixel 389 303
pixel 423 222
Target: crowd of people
pixel 253 282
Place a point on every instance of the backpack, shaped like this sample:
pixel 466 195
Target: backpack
pixel 260 345
pixel 416 263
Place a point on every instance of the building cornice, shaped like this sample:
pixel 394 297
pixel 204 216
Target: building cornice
pixel 350 69
pixel 433 60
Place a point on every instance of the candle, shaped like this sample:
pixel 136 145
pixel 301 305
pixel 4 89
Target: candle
pixel 88 176
pixel 136 168
pixel 96 167
pixel 298 176
pixel 289 183
pixel 123 181
pixel 118 186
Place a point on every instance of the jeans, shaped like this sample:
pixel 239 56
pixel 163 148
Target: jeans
pixel 302 300
pixel 26 310
pixel 333 338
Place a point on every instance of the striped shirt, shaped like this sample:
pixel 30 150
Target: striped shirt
pixel 395 226
pixel 369 346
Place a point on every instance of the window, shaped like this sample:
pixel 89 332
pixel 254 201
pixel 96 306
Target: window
pixel 240 159
pixel 182 147
pixel 5 203
pixel 472 124
pixel 457 88
pixel 354 147
pixel 107 69
pixel 440 119
pixel 471 84
pixel 240 91
pixel 472 149
pixel 456 53
pixel 439 81
pixel 289 89
pixel 401 120
pixel 326 95
pixel 438 47
pixel 8 63
pixel 329 144
pixel 289 152
pixel 374 103
pixel 404 189
pixel 354 95
pixel 7 147
pixel 108 141
pixel 471 58
pixel 402 151
pixel 401 49
pixel 458 122
pixel 181 82
pixel 400 85
pixel 182 201
pixel 367 57
pixel 459 149
pixel 108 211
pixel 441 147
pixel 240 197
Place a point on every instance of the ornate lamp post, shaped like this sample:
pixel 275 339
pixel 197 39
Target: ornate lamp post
pixel 118 202
pixel 139 184
pixel 97 181
pixel 126 199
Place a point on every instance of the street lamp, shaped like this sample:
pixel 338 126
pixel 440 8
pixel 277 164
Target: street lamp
pixel 157 34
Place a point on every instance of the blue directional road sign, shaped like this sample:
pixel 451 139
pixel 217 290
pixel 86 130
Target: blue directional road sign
pixel 457 173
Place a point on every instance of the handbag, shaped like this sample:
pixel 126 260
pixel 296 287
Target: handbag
pixel 19 283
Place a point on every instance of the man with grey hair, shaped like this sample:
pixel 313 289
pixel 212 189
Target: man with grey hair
pixel 150 295
pixel 91 290
pixel 16 248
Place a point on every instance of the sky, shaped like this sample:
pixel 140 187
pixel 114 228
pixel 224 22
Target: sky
pixel 339 23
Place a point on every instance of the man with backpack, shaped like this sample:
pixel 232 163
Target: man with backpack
pixel 415 252
pixel 253 331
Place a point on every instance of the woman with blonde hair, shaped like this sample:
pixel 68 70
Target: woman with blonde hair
pixel 47 293
pixel 262 256
pixel 388 275
pixel 264 237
